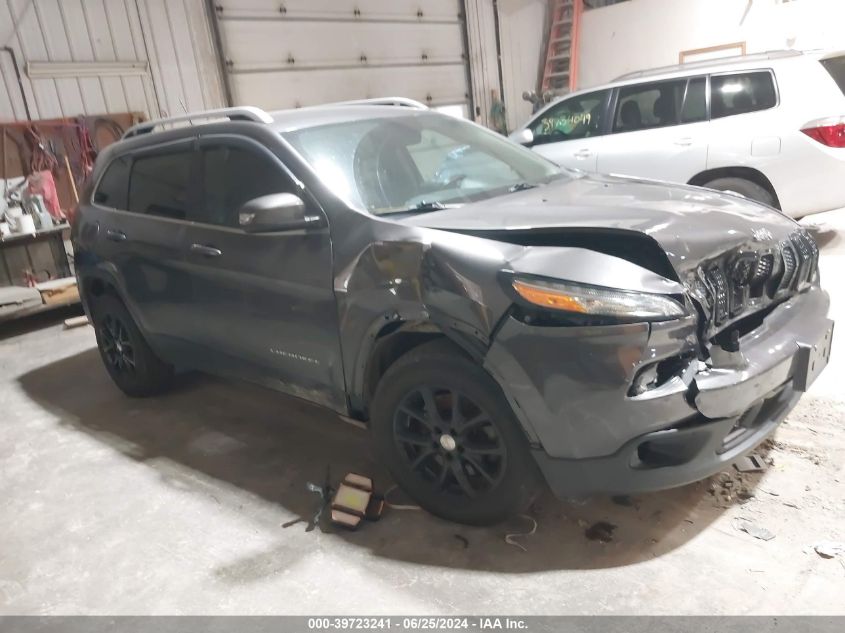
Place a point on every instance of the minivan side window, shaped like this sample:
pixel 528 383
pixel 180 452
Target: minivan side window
pixel 695 101
pixel 573 118
pixel 159 184
pixel 113 189
pixel 650 105
pixel 233 175
pixel 739 93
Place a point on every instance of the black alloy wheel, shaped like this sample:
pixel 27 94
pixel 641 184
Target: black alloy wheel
pixel 447 434
pixel 449 441
pixel 117 346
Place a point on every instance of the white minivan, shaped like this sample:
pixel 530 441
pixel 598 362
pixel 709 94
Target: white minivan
pixel 770 127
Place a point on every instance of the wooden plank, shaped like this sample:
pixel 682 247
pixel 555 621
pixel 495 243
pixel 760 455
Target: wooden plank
pixel 77 321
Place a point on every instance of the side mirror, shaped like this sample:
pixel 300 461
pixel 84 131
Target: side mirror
pixel 523 137
pixel 277 212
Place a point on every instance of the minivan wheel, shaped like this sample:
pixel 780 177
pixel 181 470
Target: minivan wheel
pixel 744 188
pixel 132 365
pixel 449 438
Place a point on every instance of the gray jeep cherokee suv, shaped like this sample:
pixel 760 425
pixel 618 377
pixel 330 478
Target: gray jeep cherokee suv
pixel 495 320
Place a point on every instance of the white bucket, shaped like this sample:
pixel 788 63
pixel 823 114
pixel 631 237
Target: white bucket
pixel 26 224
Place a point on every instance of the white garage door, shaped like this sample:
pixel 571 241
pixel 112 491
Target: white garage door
pixel 290 53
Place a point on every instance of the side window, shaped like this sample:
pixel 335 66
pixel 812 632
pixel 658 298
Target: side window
pixel 695 101
pixel 158 184
pixel 232 176
pixel 650 105
pixel 113 189
pixel 573 118
pixel 741 92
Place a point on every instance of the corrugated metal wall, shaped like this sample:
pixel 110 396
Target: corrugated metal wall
pixel 172 37
pixel 175 40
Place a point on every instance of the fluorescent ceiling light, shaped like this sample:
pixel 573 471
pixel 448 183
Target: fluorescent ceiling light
pixel 37 70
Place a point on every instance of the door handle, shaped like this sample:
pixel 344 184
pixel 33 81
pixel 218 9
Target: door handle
pixel 115 235
pixel 583 153
pixel 686 141
pixel 207 251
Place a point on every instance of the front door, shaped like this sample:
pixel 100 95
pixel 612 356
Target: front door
pixel 570 133
pixel 262 304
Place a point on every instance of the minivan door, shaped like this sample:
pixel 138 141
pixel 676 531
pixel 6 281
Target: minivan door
pixel 571 131
pixel 659 130
pixel 262 304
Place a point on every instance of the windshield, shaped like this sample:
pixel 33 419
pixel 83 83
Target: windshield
pixel 420 162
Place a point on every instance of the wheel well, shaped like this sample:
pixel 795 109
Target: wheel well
pixel 392 342
pixel 746 173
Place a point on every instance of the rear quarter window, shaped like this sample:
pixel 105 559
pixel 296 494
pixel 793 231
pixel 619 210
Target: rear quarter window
pixel 835 66
pixel 740 93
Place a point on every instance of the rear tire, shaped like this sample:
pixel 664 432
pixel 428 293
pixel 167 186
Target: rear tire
pixel 447 434
pixel 132 365
pixel 744 188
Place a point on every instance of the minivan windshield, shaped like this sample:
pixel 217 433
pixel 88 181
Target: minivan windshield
pixel 417 162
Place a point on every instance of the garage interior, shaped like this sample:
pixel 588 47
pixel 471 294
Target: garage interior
pixel 198 501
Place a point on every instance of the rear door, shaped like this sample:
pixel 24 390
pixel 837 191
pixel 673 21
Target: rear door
pixel 660 130
pixel 141 203
pixel 260 305
pixel 570 132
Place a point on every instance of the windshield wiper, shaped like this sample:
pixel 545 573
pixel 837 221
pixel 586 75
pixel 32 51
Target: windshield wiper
pixel 425 206
pixel 521 186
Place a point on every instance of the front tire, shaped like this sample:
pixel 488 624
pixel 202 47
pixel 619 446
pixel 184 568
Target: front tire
pixel 450 439
pixel 132 365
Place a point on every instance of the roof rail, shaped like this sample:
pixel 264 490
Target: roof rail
pixel 704 63
pixel 387 101
pixel 241 113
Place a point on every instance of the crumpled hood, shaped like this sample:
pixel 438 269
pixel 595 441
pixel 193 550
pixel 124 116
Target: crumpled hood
pixel 691 224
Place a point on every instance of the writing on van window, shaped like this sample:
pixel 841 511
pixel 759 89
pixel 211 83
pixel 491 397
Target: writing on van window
pixel 565 123
pixel 573 118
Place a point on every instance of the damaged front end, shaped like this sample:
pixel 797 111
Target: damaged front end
pixel 618 405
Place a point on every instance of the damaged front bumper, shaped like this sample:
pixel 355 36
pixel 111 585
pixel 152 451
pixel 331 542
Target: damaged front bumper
pixel 571 387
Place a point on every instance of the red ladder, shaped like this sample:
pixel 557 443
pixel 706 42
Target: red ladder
pixel 560 72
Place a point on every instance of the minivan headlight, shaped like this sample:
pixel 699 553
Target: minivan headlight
pixel 568 296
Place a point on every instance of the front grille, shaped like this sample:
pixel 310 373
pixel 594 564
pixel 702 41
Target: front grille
pixel 747 279
pixel 719 289
pixel 789 266
pixel 809 254
pixel 800 256
pixel 765 266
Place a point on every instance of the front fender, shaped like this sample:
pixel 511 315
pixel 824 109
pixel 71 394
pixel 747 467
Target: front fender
pixel 421 282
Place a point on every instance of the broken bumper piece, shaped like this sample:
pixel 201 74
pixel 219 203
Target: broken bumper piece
pixel 678 433
pixel 671 457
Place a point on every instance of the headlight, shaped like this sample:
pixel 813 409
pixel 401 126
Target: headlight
pixel 594 300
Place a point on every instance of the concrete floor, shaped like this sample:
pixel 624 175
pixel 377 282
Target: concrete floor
pixel 178 505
